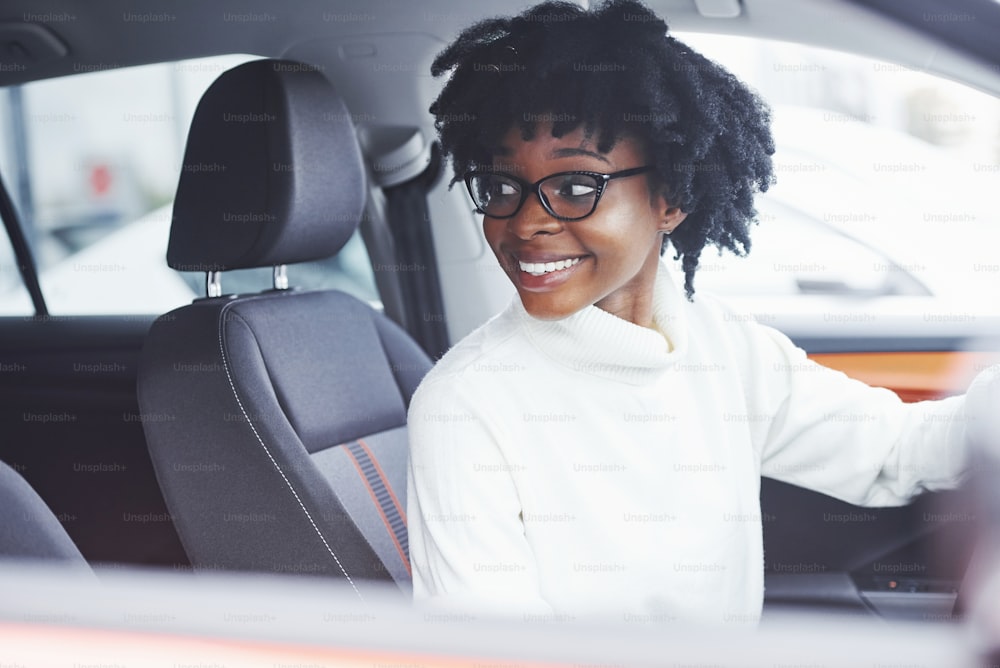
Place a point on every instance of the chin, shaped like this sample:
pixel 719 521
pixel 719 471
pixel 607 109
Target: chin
pixel 549 311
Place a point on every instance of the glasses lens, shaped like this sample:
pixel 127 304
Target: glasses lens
pixel 495 194
pixel 571 195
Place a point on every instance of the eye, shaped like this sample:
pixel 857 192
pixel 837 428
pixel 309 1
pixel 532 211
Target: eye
pixel 503 189
pixel 492 188
pixel 573 186
pixel 576 190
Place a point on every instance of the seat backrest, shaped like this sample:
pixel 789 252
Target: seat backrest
pixel 276 421
pixel 28 528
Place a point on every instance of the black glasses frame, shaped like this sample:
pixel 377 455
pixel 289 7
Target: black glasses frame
pixel 528 188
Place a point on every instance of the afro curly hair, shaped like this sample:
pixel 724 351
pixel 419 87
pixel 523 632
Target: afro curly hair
pixel 616 71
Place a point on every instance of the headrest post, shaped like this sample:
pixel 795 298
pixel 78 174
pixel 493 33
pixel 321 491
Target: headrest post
pixel 280 277
pixel 213 283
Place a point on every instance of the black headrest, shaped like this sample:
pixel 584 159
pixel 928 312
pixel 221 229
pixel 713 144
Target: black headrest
pixel 272 172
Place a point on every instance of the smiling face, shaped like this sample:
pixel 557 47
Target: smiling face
pixel 608 259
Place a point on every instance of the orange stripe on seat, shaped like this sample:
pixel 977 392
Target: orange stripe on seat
pixel 385 480
pixel 385 520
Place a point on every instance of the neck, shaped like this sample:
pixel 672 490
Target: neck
pixel 600 342
pixel 636 309
pixel 633 302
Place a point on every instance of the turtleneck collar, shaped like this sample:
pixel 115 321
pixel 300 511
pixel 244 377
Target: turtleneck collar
pixel 595 342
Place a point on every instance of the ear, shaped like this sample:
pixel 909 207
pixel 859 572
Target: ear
pixel 669 216
pixel 672 217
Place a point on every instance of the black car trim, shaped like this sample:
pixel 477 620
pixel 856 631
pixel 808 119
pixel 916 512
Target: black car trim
pixel 894 344
pixel 409 221
pixel 19 242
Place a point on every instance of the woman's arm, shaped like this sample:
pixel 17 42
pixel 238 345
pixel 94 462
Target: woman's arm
pixel 818 428
pixel 467 542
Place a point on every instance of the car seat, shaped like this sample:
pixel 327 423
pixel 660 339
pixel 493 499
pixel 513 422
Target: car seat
pixel 276 421
pixel 29 530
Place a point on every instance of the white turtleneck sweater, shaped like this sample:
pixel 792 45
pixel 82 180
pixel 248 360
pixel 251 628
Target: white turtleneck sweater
pixel 586 466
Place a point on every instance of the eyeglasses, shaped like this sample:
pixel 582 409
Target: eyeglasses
pixel 565 196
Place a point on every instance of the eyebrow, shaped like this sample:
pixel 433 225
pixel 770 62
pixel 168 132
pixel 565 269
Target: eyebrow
pixel 568 152
pixel 558 153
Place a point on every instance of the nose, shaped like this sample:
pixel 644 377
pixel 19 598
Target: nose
pixel 533 219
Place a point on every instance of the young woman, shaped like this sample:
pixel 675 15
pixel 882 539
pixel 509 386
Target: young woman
pixel 598 446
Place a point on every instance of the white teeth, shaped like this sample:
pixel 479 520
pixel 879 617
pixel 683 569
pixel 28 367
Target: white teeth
pixel 540 268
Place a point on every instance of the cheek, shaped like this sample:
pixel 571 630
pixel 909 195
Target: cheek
pixel 630 233
pixel 628 253
pixel 491 231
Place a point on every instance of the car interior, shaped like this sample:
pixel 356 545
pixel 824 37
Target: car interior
pixel 264 430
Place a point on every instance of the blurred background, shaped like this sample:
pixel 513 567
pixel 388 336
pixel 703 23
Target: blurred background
pixel 885 191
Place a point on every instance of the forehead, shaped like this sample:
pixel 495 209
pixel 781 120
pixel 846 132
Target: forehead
pixel 543 146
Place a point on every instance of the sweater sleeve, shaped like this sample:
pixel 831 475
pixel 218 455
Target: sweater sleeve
pixel 467 544
pixel 817 428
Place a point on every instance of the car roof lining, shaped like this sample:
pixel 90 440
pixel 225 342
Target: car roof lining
pixel 191 29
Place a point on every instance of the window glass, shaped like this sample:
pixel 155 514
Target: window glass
pixel 884 184
pixel 92 161
pixel 11 285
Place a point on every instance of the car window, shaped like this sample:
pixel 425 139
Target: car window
pixel 11 284
pixel 885 180
pixel 92 163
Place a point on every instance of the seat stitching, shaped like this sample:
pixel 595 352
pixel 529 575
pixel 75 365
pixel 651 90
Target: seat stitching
pixel 232 386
